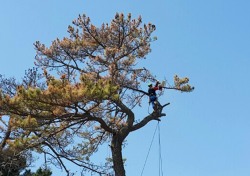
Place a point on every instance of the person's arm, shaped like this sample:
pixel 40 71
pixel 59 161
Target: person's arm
pixel 157 83
pixel 156 87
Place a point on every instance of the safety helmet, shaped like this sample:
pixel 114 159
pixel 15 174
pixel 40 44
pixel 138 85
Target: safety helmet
pixel 149 84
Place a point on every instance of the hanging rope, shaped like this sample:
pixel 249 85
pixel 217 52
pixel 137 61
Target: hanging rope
pixel 149 149
pixel 148 108
pixel 159 144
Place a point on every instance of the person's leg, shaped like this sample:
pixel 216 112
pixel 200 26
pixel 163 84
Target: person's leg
pixel 153 100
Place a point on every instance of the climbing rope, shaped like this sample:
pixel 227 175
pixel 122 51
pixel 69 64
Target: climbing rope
pixel 149 150
pixel 160 157
pixel 148 108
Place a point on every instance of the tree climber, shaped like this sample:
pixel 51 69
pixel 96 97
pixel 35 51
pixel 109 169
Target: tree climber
pixel 152 94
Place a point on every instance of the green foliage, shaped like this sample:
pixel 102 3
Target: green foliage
pixel 182 84
pixel 12 163
pixel 42 172
pixel 39 172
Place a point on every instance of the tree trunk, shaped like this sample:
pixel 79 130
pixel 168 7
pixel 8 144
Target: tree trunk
pixel 116 147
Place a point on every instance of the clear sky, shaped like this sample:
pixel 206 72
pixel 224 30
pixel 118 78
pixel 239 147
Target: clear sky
pixel 206 132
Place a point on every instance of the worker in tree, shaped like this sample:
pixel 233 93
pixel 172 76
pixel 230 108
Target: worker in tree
pixel 152 93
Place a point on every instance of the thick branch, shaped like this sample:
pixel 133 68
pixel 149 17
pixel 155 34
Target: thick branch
pixel 153 116
pixel 89 117
pixel 127 111
pixel 102 122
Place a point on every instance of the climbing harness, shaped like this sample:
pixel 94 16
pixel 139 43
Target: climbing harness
pixel 159 144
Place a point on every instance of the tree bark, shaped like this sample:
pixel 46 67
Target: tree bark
pixel 116 148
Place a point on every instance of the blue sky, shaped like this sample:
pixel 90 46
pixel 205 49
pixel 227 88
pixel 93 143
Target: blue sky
pixel 205 132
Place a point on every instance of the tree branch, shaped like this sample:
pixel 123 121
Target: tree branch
pixel 7 135
pixel 153 116
pixel 59 156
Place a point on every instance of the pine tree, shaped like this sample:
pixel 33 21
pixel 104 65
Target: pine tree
pixel 83 92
